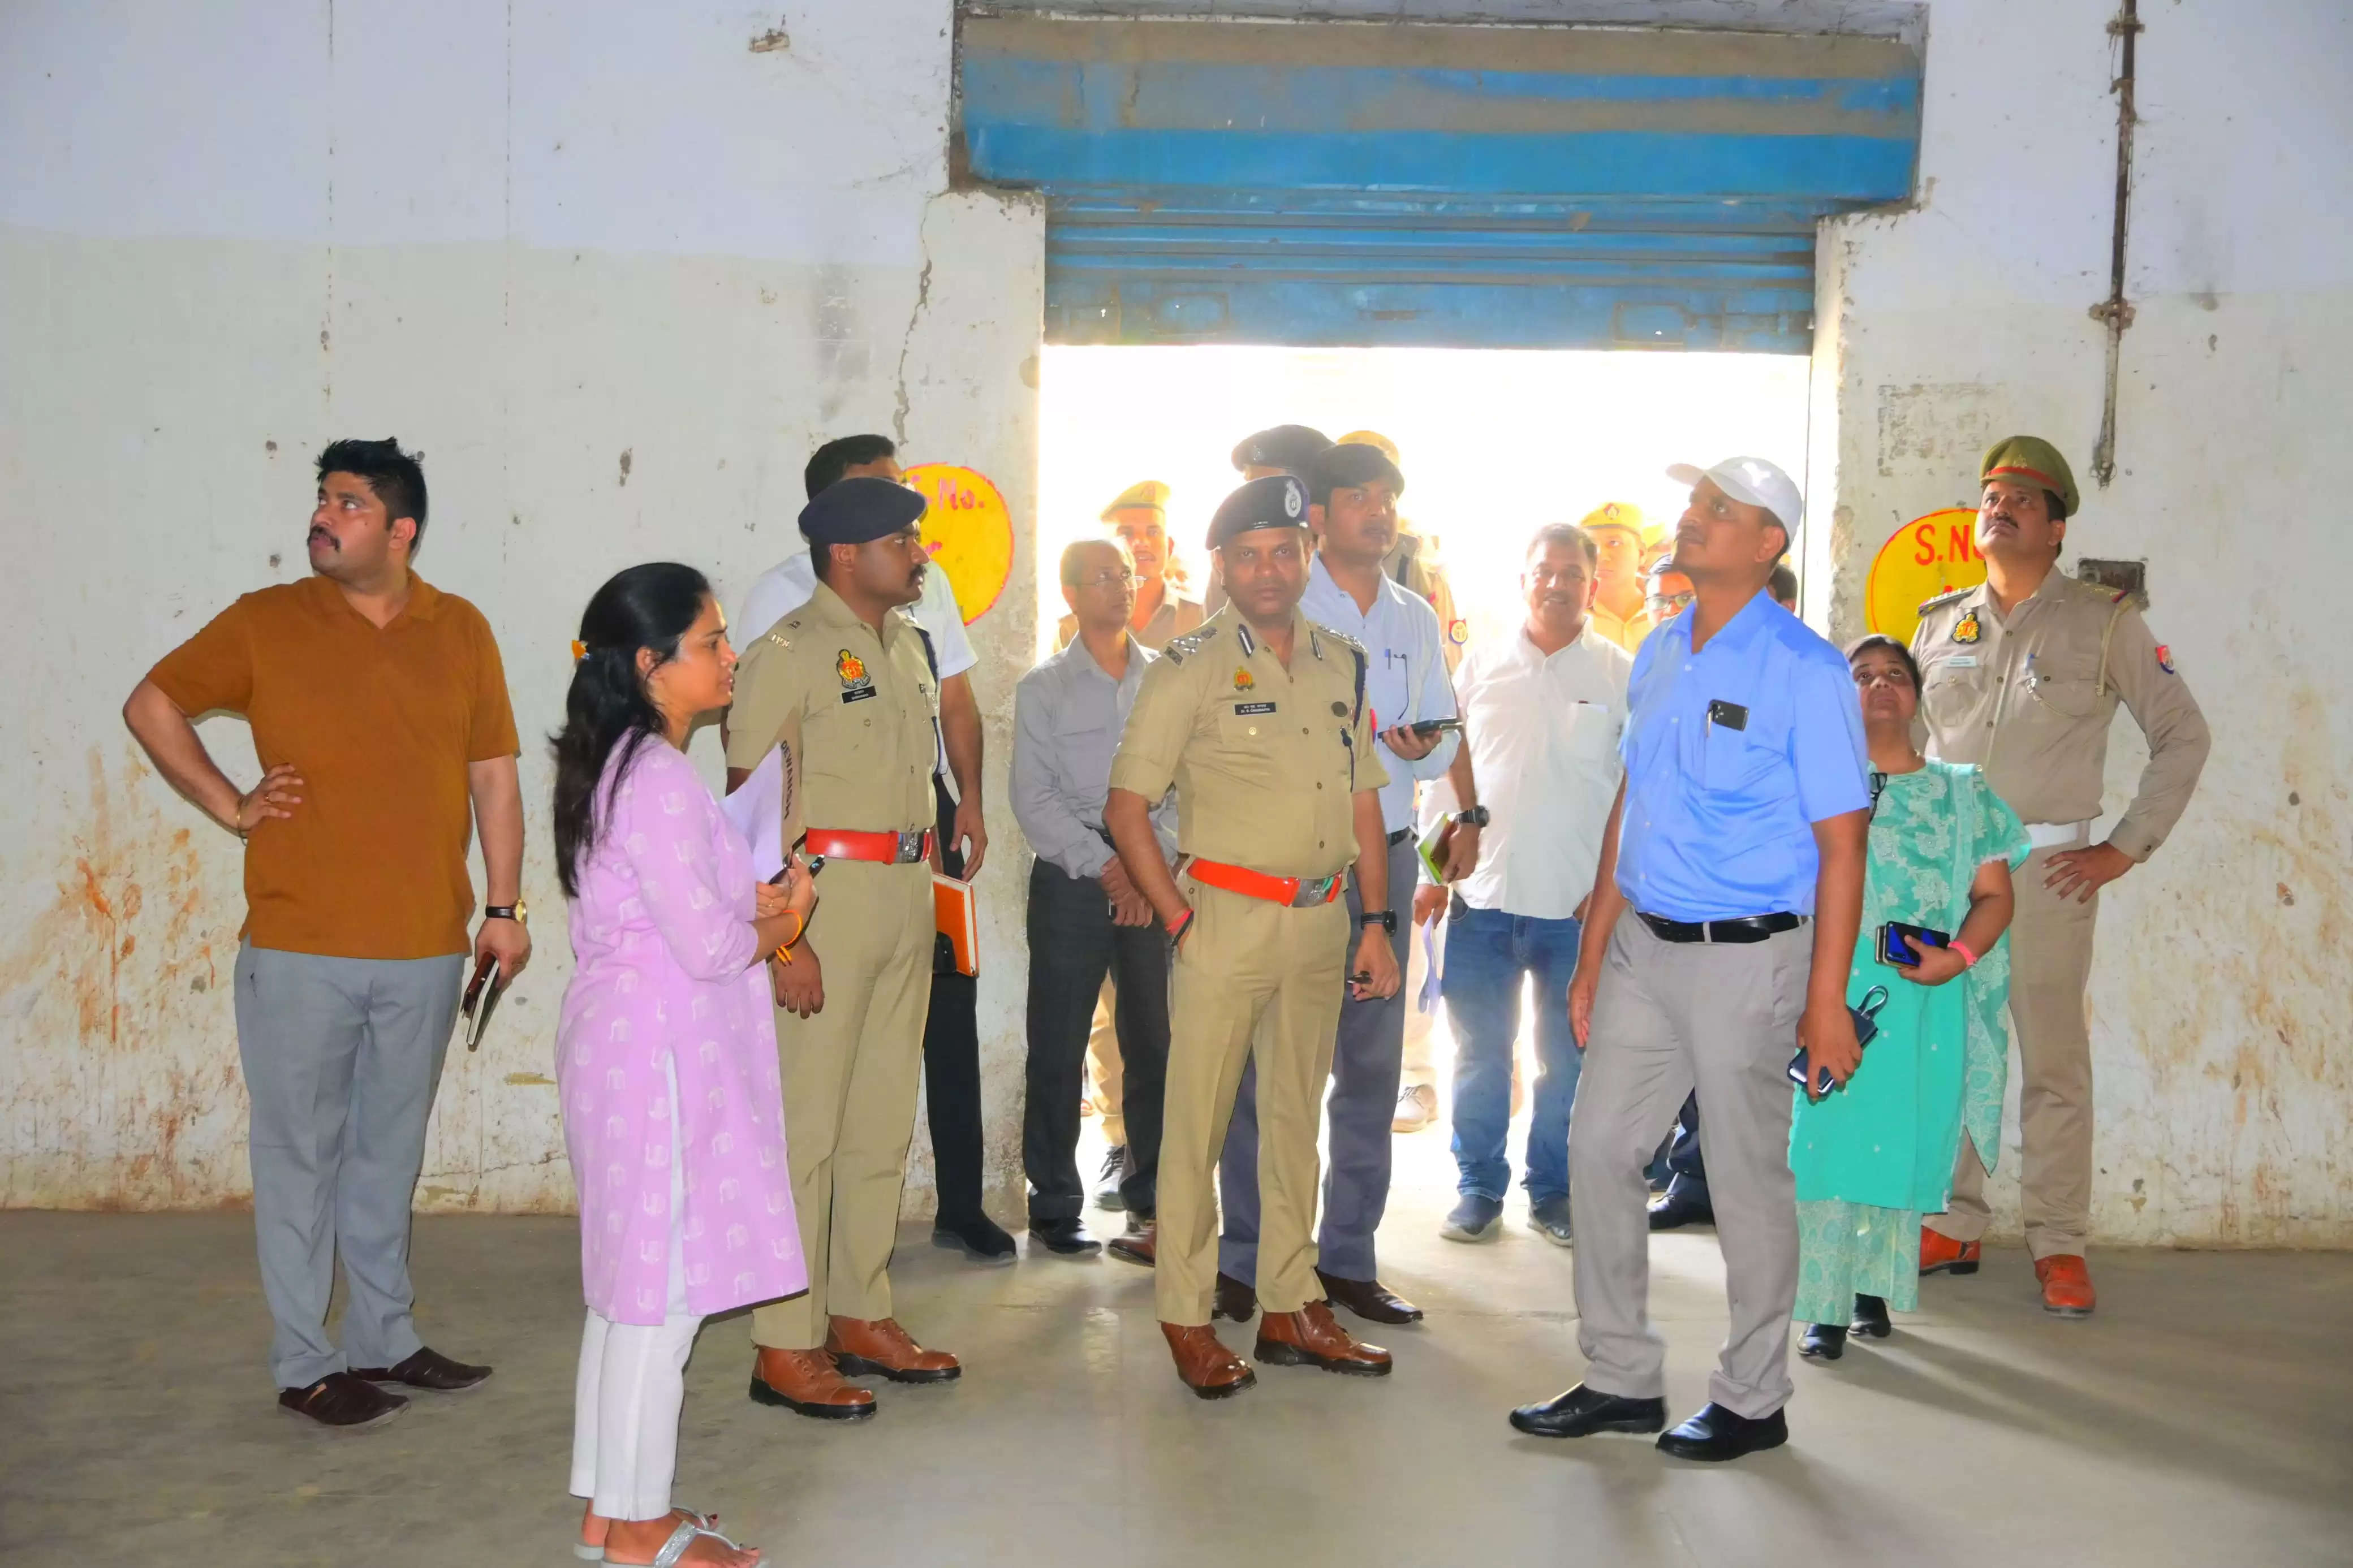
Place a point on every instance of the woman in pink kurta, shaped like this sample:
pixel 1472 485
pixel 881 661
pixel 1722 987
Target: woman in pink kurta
pixel 666 1051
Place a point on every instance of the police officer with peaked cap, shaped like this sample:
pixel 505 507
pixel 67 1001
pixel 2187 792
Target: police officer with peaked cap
pixel 2020 675
pixel 1259 719
pixel 845 686
pixel 1279 449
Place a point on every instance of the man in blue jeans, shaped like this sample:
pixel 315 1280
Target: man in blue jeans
pixel 1542 710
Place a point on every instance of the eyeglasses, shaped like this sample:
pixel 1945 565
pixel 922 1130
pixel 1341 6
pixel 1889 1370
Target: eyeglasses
pixel 1675 602
pixel 1120 576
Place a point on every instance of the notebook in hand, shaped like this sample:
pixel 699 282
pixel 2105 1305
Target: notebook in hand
pixel 954 916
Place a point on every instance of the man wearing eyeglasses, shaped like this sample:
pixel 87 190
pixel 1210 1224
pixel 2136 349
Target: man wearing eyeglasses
pixel 1086 917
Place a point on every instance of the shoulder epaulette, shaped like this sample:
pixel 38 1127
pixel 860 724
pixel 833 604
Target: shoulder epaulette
pixel 1928 604
pixel 1180 648
pixel 1344 640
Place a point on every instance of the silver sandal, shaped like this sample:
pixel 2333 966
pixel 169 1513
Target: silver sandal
pixel 683 1537
pixel 703 1522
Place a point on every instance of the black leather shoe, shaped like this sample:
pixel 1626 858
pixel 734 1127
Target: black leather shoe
pixel 427 1369
pixel 1063 1238
pixel 1583 1411
pixel 1369 1299
pixel 1234 1299
pixel 977 1236
pixel 1870 1318
pixel 1671 1210
pixel 1717 1434
pixel 1823 1342
pixel 342 1399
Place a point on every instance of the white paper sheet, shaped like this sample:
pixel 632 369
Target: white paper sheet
pixel 757 812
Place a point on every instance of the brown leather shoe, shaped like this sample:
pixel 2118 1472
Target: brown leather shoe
pixel 1207 1367
pixel 1940 1254
pixel 1312 1337
pixel 2066 1285
pixel 428 1368
pixel 807 1383
pixel 1234 1299
pixel 1138 1247
pixel 1369 1299
pixel 342 1399
pixel 878 1347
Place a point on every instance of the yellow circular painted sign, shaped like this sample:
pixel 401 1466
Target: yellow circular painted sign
pixel 1927 556
pixel 968 531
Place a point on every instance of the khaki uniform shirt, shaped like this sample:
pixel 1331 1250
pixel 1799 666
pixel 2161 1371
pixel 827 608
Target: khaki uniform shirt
pixel 855 713
pixel 1266 760
pixel 1174 618
pixel 2027 696
pixel 1627 634
pixel 1412 563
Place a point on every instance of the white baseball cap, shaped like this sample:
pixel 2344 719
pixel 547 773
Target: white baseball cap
pixel 1752 481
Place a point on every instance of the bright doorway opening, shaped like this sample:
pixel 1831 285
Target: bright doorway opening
pixel 1494 442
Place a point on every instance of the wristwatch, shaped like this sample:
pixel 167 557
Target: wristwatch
pixel 518 911
pixel 1477 816
pixel 1385 918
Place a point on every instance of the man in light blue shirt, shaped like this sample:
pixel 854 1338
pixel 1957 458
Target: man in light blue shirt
pixel 1353 492
pixel 1735 853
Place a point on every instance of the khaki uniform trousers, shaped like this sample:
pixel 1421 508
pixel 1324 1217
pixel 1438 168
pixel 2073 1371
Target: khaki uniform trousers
pixel 849 1077
pixel 1247 961
pixel 2049 964
pixel 1104 1069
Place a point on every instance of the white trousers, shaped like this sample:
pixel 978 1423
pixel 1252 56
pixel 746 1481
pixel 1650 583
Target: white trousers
pixel 632 1385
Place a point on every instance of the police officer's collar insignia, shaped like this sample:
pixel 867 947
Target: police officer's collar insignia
pixel 853 671
pixel 1242 635
pixel 1243 679
pixel 2165 658
pixel 1966 630
pixel 1314 643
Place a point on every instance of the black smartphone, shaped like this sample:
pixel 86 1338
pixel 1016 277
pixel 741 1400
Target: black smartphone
pixel 1899 945
pixel 1434 726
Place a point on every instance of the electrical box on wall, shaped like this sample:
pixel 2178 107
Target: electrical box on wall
pixel 2117 577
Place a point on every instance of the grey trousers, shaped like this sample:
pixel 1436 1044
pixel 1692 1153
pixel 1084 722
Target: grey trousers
pixel 1670 1017
pixel 342 1057
pixel 1367 1063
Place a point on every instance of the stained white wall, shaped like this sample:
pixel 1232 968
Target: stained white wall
pixel 615 271
pixel 2223 1053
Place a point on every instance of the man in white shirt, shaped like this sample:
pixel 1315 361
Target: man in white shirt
pixel 1353 490
pixel 1542 711
pixel 951 1029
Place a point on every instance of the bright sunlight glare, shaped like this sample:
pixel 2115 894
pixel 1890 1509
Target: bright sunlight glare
pixel 1494 442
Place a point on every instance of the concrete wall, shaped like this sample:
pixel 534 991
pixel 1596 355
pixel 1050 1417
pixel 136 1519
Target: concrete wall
pixel 615 268
pixel 2220 1027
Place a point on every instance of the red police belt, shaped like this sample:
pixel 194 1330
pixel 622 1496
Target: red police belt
pixel 1298 893
pixel 889 848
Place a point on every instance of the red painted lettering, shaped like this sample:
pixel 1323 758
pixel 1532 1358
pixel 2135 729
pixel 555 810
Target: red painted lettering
pixel 1924 536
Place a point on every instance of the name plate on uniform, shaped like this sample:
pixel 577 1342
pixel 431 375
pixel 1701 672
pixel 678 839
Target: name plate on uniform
pixel 1253 707
pixel 858 694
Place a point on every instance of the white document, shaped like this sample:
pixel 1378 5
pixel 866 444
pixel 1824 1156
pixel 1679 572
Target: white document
pixel 757 812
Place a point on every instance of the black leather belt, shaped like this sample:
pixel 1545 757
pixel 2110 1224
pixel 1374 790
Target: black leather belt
pixel 1748 928
pixel 1400 836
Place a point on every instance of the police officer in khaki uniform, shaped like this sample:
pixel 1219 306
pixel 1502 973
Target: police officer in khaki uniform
pixel 845 686
pixel 2021 675
pixel 1616 529
pixel 1259 719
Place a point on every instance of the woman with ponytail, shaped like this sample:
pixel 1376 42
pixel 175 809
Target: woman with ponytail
pixel 665 1052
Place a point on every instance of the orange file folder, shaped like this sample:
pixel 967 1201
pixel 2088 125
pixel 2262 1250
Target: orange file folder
pixel 954 915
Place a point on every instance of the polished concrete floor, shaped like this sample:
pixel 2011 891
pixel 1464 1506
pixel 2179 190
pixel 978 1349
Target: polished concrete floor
pixel 2205 1417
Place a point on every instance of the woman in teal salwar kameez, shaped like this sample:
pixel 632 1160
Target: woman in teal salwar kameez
pixel 1873 1156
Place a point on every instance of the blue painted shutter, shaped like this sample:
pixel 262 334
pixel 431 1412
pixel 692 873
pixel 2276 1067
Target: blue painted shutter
pixel 1328 183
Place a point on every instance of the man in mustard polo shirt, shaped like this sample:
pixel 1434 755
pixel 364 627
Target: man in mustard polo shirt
pixel 379 711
